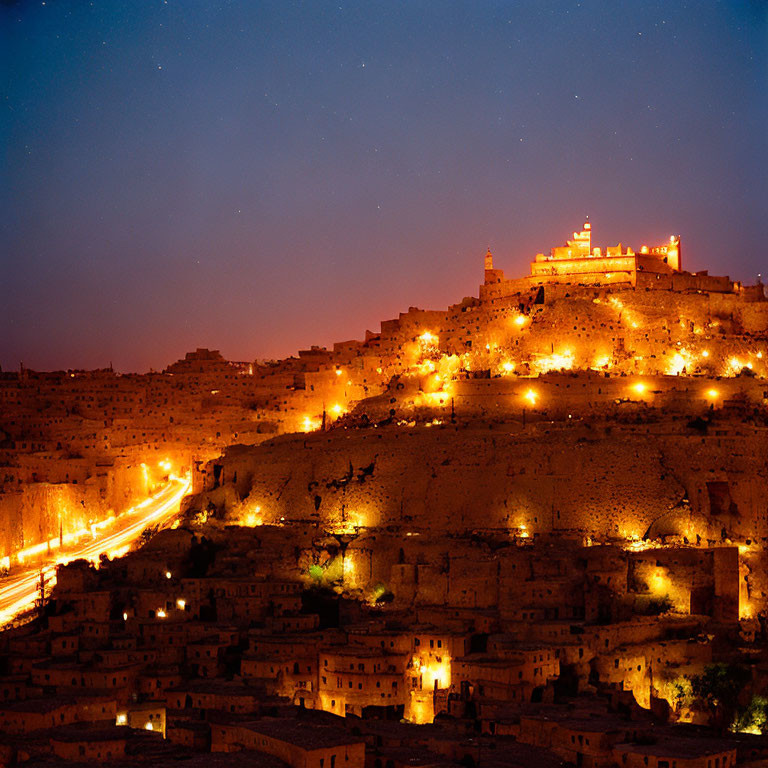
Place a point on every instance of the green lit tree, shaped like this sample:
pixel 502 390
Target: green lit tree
pixel 717 690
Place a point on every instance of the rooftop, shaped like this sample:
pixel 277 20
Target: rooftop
pixel 303 734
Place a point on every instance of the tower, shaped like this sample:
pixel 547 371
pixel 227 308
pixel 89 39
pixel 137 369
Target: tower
pixel 491 275
pixel 582 241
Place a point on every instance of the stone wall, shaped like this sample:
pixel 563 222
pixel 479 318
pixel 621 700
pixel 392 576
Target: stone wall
pixel 614 481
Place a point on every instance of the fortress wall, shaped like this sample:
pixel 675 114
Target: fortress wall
pixel 570 397
pixel 637 331
pixel 558 395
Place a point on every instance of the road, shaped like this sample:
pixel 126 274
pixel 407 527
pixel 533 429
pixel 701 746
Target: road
pixel 19 591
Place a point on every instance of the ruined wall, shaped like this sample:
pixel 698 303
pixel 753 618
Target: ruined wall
pixel 614 482
pixel 35 513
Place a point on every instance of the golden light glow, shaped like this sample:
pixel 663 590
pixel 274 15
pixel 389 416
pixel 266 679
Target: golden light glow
pixel 636 544
pixel 181 604
pixel 339 371
pixel 705 353
pixel 309 424
pixel 168 575
pixel 639 387
pixel 350 523
pixel 161 509
pixel 432 671
pixel 507 366
pixel 712 394
pixel 531 396
pixel 148 726
pixel 253 518
pixel 520 320
pixel 428 339
pixel 659 583
pixel 431 398
pixel 557 361
pixel 421 710
pixel 679 363
pixel 428 366
pixel 121 719
pixel 160 613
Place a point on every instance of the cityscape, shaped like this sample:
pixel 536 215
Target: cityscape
pixel 525 527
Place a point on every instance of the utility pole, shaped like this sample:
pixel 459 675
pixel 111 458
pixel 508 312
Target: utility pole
pixel 41 594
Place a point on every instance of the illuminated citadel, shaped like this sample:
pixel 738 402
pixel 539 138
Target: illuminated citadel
pixel 543 508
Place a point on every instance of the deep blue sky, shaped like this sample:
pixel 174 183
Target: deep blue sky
pixel 261 176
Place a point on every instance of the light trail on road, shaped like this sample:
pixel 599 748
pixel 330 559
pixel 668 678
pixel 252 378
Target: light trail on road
pixel 19 592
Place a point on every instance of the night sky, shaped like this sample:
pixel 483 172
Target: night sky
pixel 257 177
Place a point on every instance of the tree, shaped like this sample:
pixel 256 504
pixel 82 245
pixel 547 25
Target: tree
pixel 754 718
pixel 717 690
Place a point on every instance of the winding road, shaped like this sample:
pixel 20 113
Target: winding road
pixel 19 591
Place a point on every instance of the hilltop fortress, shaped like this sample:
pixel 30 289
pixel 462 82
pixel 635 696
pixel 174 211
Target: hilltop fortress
pixel 577 261
pixel 593 343
pixel 606 394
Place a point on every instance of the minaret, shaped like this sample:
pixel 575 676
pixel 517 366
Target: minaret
pixel 491 275
pixel 582 241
